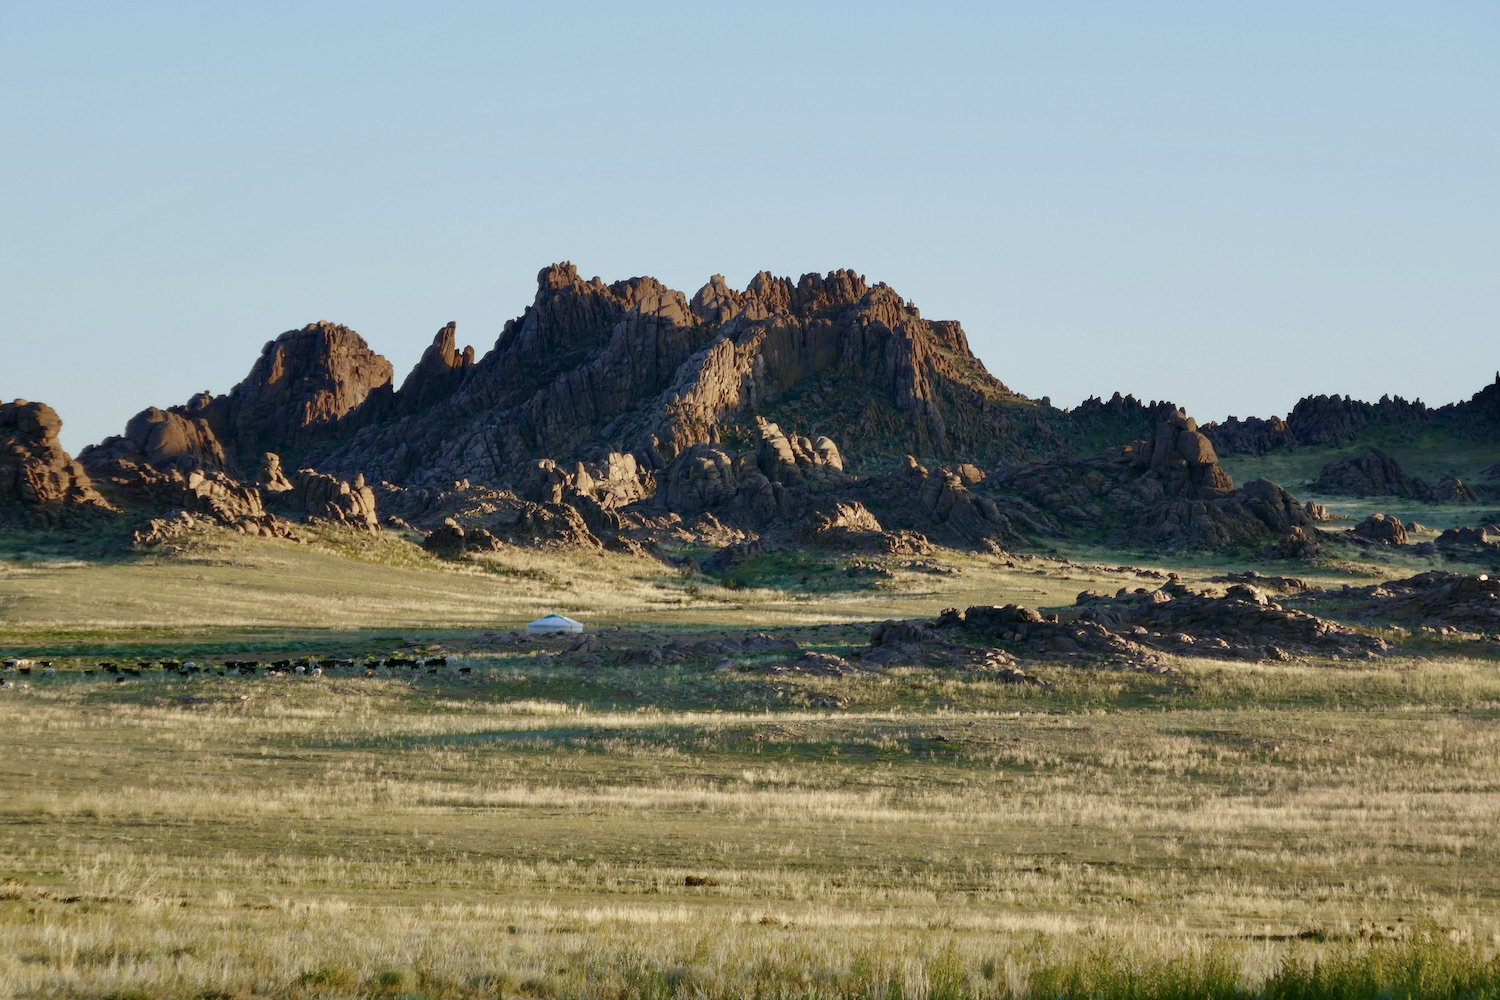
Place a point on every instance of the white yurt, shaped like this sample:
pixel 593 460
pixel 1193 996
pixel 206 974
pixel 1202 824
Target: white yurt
pixel 552 625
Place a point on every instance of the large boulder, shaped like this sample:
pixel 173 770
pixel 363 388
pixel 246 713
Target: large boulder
pixel 849 525
pixel 38 479
pixel 1371 473
pixel 1380 528
pixel 1375 473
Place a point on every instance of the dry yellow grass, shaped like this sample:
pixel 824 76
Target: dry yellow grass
pixel 552 831
pixel 323 834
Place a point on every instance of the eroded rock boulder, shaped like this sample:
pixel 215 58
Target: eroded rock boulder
pixel 1380 528
pixel 1435 599
pixel 39 481
pixel 1142 626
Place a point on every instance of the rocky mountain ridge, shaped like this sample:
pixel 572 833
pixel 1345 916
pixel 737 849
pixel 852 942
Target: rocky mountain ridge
pixel 1337 420
pixel 605 411
pixel 595 372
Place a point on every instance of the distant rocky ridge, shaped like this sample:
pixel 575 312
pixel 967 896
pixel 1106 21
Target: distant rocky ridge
pixel 1335 420
pixel 609 415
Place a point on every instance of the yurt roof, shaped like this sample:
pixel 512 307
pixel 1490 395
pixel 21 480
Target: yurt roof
pixel 558 619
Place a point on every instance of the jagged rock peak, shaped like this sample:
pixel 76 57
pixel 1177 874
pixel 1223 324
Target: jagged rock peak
pixel 439 372
pixel 302 386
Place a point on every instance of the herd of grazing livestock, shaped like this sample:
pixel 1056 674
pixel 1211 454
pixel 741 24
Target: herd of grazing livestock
pixel 372 666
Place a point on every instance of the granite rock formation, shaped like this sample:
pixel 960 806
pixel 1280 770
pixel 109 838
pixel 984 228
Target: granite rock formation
pixel 302 389
pixel 851 527
pixel 318 495
pixel 1168 491
pixel 1436 599
pixel 1337 420
pixel 1141 628
pixel 1380 528
pixel 1375 473
pixel 307 385
pixel 500 514
pixel 39 482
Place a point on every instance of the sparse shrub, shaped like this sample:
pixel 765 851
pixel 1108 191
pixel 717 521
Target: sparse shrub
pixel 496 983
pixel 328 978
pixel 395 981
pixel 692 979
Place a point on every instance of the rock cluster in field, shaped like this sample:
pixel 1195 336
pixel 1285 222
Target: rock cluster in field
pixel 1337 420
pixel 1381 528
pixel 1167 491
pixel 1375 473
pixel 318 495
pixel 1436 599
pixel 39 481
pixel 1142 625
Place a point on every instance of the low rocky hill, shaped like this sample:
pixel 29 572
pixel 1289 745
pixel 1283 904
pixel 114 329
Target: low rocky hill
pixel 1338 420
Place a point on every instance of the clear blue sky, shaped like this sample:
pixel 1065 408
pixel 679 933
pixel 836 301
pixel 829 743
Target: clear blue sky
pixel 1228 205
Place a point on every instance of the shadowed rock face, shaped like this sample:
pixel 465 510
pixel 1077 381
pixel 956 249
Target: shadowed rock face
pixel 304 385
pixel 635 367
pixel 1334 420
pixel 1167 491
pixel 1375 473
pixel 37 477
pixel 307 385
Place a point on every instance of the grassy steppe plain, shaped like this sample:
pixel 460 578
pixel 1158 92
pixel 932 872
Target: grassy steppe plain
pixel 541 829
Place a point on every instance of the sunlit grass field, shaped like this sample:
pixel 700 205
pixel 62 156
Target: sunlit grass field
pixel 321 836
pixel 537 828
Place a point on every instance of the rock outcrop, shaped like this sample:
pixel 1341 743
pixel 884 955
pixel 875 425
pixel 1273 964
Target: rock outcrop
pixel 301 390
pixel 1383 529
pixel 206 498
pixel 1141 628
pixel 852 528
pixel 1436 599
pixel 438 374
pixel 1375 473
pixel 39 482
pixel 179 438
pixel 777 478
pixel 1316 420
pixel 1338 420
pixel 307 386
pixel 635 368
pixel 1168 491
pixel 319 496
pixel 501 514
